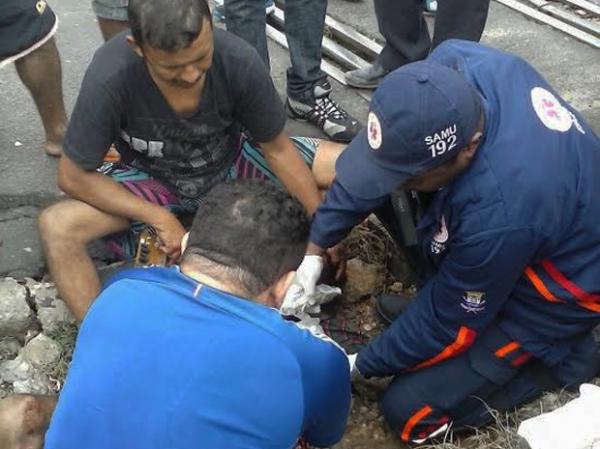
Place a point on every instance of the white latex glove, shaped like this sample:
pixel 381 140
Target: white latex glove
pixel 308 273
pixel 575 425
pixel 300 293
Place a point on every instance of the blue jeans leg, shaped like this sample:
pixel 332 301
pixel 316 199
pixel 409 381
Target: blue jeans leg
pixel 304 25
pixel 247 19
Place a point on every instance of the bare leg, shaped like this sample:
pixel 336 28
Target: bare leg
pixel 41 73
pixel 65 230
pixel 110 28
pixel 323 168
pixel 24 420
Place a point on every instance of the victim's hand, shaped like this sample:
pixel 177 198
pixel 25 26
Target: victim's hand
pixel 336 256
pixel 171 232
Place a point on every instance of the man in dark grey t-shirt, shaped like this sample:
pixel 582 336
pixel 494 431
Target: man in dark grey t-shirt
pixel 173 98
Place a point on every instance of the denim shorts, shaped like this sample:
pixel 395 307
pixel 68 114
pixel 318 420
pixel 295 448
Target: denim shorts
pixel 111 9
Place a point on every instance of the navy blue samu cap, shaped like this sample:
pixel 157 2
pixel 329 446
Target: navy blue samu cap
pixel 420 116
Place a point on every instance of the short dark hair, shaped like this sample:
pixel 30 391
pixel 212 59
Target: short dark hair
pixel 168 25
pixel 251 228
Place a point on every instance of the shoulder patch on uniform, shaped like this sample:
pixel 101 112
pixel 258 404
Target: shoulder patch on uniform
pixel 374 131
pixel 549 110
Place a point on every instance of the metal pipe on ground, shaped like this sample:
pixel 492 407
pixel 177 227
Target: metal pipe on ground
pixel 330 48
pixel 590 7
pixel 552 21
pixel 567 17
pixel 348 36
pixel 330 69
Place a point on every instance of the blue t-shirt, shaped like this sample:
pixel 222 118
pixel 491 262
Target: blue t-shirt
pixel 162 361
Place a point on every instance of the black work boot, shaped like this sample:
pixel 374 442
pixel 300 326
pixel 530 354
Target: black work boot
pixel 391 306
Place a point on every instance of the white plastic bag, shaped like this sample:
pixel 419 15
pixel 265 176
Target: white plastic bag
pixel 575 425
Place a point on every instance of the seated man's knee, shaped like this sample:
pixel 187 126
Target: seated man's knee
pixel 61 221
pixel 51 222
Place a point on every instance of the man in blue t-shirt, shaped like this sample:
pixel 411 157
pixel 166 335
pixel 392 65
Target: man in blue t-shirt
pixel 509 227
pixel 198 356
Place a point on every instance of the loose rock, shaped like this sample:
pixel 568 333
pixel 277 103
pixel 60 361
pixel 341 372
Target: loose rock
pixel 15 370
pixel 52 313
pixel 363 280
pixel 15 314
pixel 38 383
pixel 42 352
pixel 397 287
pixel 9 348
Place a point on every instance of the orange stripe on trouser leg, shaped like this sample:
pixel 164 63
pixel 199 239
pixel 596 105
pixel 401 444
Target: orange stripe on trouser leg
pixel 521 359
pixel 584 299
pixel 592 307
pixel 464 340
pixel 539 285
pixel 413 421
pixel 507 349
pixel 571 287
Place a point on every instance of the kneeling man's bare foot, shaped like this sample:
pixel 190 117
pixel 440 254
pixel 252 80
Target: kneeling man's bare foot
pixel 24 420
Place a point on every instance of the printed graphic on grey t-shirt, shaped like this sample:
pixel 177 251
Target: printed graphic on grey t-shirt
pixel 191 158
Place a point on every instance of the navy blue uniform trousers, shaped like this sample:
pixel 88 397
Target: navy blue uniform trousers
pixel 495 373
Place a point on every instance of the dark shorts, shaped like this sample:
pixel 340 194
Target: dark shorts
pixel 249 164
pixel 25 25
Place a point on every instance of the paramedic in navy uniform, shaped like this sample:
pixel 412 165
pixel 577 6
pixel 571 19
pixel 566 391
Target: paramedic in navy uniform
pixel 511 234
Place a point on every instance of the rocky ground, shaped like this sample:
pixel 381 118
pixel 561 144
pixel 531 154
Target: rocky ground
pixel 37 336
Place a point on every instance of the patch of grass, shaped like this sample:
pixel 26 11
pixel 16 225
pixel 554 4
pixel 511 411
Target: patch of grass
pixel 65 336
pixel 502 433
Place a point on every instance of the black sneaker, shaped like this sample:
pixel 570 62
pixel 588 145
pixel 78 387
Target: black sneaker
pixel 326 114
